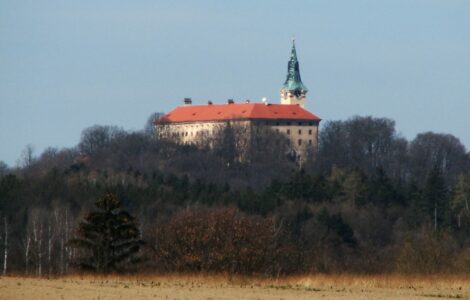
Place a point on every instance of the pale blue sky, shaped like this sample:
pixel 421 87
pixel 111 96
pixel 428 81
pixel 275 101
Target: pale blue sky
pixel 67 65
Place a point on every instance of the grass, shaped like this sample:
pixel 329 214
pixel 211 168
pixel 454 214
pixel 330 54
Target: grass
pixel 204 286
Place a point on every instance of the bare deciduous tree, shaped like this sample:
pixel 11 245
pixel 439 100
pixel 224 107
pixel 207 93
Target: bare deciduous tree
pixel 27 156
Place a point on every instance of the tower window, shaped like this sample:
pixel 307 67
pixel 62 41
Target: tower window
pixel 300 142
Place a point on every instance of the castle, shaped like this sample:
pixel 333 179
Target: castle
pixel 198 123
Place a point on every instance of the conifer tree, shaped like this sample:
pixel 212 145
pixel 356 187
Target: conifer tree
pixel 109 239
pixel 460 200
pixel 435 198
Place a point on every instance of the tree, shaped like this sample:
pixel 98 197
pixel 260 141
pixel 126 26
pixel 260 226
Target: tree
pixel 3 169
pixel 444 150
pixel 5 246
pixel 149 128
pixel 350 186
pixel 365 143
pixel 109 239
pixel 461 198
pixel 27 156
pixel 435 197
pixel 94 139
pixel 216 239
pixel 225 143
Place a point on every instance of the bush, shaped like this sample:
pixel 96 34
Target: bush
pixel 217 239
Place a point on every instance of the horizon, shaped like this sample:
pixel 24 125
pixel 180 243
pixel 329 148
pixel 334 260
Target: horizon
pixel 68 66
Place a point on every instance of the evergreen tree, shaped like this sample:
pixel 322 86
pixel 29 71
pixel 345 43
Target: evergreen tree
pixel 353 188
pixel 381 190
pixel 435 198
pixel 460 201
pixel 415 216
pixel 109 238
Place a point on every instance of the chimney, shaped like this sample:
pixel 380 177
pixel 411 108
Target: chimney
pixel 209 102
pixel 230 101
pixel 188 101
pixel 247 101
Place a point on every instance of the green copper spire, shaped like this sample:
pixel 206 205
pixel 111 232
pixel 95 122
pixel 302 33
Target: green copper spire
pixel 293 81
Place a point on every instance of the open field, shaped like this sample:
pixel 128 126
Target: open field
pixel 220 287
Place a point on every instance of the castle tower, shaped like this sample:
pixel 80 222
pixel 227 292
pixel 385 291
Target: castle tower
pixel 293 91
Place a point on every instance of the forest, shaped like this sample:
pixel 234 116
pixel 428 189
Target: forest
pixel 368 202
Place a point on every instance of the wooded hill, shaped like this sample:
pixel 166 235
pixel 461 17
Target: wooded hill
pixel 370 202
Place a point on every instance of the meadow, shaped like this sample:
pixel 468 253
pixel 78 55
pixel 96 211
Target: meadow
pixel 222 287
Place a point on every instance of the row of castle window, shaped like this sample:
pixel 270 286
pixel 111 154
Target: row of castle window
pixel 288 131
pixel 190 133
pixel 310 131
pixel 288 123
pixel 299 142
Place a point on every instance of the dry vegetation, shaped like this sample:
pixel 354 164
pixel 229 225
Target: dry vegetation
pixel 222 287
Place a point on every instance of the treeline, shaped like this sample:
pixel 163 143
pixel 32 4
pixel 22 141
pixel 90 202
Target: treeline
pixel 370 201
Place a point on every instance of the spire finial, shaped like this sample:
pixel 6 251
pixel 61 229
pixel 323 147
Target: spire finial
pixel 293 53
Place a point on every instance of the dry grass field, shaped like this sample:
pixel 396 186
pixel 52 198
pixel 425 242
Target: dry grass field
pixel 220 287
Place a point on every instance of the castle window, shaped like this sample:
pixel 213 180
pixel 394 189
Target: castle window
pixel 300 131
pixel 186 133
pixel 288 131
pixel 277 123
pixel 310 132
pixel 300 123
pixel 288 123
pixel 300 142
pixel 309 142
pixel 277 130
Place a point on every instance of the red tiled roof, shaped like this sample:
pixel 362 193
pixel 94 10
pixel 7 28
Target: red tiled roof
pixel 222 112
